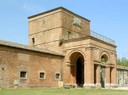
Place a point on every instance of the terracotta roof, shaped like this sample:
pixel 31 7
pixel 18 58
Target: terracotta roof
pixel 26 47
pixel 58 9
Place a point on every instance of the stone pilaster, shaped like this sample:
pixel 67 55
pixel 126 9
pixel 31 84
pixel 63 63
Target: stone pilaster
pixel 113 77
pixel 98 76
pixel 107 76
pixel 89 69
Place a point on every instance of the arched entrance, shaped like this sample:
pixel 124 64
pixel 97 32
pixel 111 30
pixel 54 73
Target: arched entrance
pixel 80 72
pixel 77 68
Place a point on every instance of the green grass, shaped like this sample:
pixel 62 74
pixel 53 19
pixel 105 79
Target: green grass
pixel 61 91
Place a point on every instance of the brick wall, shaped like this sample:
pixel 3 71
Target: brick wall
pixel 13 61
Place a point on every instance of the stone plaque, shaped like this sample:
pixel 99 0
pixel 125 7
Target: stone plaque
pixel 77 21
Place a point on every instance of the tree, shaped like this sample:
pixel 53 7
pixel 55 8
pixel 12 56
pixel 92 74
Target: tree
pixel 123 61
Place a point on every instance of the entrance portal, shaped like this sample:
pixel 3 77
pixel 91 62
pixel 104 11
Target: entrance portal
pixel 80 72
pixel 77 69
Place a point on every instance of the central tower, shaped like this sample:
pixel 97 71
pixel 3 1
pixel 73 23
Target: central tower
pixel 49 29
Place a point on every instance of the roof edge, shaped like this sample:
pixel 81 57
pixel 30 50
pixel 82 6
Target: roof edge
pixel 88 37
pixel 26 47
pixel 58 9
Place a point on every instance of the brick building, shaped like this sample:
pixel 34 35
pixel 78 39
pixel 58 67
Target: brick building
pixel 62 51
pixel 122 75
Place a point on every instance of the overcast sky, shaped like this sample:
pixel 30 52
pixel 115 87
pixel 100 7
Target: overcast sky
pixel 108 17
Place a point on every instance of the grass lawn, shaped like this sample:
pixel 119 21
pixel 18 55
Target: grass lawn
pixel 61 91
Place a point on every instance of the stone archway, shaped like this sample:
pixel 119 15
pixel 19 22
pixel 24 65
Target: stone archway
pixel 77 68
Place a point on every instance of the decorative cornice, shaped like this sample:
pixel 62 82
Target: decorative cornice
pixel 62 8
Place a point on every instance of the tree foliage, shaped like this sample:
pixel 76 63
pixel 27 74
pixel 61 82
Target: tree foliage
pixel 122 61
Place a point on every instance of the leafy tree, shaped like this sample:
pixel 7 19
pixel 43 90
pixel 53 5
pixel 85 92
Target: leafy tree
pixel 122 61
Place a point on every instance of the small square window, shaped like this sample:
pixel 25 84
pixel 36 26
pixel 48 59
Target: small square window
pixel 42 75
pixel 23 74
pixel 58 76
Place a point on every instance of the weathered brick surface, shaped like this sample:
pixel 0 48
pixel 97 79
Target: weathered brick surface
pixel 15 60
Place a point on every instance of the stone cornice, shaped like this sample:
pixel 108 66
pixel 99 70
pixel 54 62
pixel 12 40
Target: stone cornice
pixel 62 8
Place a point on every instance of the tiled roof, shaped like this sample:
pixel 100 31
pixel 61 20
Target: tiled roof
pixel 26 47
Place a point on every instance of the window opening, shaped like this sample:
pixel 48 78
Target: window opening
pixel 57 76
pixel 3 69
pixel 33 41
pixel 104 58
pixel 69 35
pixel 42 75
pixel 23 74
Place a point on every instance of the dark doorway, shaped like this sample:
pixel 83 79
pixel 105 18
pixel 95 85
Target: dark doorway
pixel 95 71
pixel 80 72
pixel 102 76
pixel 111 75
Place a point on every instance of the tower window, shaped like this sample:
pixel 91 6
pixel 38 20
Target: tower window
pixel 3 69
pixel 69 35
pixel 33 41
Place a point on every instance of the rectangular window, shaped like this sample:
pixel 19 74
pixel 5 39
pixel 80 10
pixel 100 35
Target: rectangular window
pixel 58 76
pixel 42 75
pixel 69 35
pixel 23 74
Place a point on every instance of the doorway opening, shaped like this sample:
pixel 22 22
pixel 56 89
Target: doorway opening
pixel 77 69
pixel 95 73
pixel 80 72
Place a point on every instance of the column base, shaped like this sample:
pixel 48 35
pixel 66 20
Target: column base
pixel 114 85
pixel 88 85
pixel 98 85
pixel 107 85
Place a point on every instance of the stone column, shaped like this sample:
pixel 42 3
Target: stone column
pixel 113 76
pixel 89 69
pixel 107 76
pixel 113 72
pixel 98 76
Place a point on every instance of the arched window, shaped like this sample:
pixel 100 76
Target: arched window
pixel 104 58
